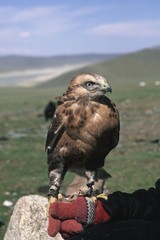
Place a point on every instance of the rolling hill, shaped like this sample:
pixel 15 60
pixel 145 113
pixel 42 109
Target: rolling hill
pixel 134 67
pixel 19 63
pixel 29 71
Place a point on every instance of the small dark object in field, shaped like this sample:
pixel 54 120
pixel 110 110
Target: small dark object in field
pixel 155 140
pixel 1 223
pixel 3 138
pixel 49 110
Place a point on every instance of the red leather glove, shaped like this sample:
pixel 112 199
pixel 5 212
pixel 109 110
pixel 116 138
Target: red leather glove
pixel 70 218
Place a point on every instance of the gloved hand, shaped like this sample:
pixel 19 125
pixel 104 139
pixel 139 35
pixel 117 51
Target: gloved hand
pixel 70 218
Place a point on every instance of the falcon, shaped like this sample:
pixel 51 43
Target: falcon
pixel 84 129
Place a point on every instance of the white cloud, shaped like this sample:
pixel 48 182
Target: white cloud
pixel 33 13
pixel 59 28
pixel 25 34
pixel 42 21
pixel 3 50
pixel 139 28
pixel 7 32
pixel 36 24
pixel 13 50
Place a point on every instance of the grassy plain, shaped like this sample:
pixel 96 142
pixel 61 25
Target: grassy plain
pixel 23 168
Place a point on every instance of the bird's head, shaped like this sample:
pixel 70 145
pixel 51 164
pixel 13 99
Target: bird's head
pixel 91 85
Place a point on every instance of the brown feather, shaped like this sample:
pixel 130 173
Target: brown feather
pixel 85 128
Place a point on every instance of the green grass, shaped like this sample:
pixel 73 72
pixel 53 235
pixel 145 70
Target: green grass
pixel 133 164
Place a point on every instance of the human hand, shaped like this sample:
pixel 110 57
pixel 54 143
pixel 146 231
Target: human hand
pixel 70 218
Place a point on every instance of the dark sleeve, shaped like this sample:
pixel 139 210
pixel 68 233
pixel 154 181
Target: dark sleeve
pixel 141 204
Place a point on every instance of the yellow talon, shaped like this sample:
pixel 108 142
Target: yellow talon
pixel 52 200
pixel 60 197
pixel 102 195
pixel 94 199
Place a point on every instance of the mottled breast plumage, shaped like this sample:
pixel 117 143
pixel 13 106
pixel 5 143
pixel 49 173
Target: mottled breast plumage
pixel 84 129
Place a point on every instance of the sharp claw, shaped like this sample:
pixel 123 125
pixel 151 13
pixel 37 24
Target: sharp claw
pixel 51 200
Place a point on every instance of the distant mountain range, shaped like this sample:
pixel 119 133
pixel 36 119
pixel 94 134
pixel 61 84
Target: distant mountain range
pixel 57 71
pixel 30 71
pixel 134 67
pixel 19 63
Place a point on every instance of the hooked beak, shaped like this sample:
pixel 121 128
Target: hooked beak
pixel 106 88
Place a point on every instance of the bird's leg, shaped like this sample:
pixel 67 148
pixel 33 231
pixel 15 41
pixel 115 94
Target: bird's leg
pixel 56 176
pixel 55 182
pixel 91 177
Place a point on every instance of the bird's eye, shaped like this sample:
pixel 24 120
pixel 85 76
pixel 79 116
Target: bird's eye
pixel 89 84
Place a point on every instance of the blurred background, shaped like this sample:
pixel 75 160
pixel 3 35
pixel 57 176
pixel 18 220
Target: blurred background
pixel 43 44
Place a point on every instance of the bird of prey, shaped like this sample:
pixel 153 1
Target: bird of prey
pixel 84 129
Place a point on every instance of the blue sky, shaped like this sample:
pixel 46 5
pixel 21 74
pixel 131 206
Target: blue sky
pixel 53 27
